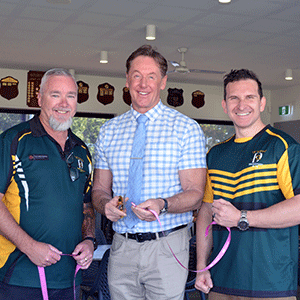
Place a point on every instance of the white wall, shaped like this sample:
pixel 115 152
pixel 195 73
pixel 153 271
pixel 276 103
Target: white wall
pixel 212 110
pixel 288 96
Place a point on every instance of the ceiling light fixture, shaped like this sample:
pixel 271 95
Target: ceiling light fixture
pixel 150 32
pixel 224 1
pixel 103 57
pixel 288 74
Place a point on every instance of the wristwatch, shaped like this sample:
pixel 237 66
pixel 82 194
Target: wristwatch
pixel 93 240
pixel 243 223
pixel 165 208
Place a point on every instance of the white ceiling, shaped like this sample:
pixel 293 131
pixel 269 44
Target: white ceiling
pixel 262 35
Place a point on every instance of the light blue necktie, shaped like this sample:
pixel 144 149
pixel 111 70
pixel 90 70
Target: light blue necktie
pixel 135 178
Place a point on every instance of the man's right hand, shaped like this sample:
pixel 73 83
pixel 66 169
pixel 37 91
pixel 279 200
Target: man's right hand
pixel 43 255
pixel 204 282
pixel 112 212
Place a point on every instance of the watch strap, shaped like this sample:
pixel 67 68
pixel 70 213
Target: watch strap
pixel 244 214
pixel 165 208
pixel 243 223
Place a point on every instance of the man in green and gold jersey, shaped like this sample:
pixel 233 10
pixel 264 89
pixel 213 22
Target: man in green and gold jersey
pixel 253 187
pixel 45 197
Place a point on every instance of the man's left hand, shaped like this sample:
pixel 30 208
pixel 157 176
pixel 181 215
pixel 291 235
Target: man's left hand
pixel 83 253
pixel 225 214
pixel 143 210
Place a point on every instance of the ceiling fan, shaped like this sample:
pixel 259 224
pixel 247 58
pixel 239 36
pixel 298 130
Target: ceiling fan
pixel 182 68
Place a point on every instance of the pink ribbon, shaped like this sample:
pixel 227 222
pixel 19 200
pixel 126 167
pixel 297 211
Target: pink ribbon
pixel 43 280
pixel 218 257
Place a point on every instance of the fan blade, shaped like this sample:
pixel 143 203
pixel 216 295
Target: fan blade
pixel 173 71
pixel 206 71
pixel 174 63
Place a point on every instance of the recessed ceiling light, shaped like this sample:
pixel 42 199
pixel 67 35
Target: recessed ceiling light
pixel 224 1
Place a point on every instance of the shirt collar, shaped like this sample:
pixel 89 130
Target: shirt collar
pixel 38 130
pixel 152 114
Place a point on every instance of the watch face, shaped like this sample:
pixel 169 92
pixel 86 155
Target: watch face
pixel 163 211
pixel 243 225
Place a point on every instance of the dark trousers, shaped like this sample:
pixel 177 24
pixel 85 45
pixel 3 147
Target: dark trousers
pixel 13 292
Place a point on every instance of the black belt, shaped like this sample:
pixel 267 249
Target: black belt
pixel 148 236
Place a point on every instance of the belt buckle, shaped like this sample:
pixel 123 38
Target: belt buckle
pixel 142 237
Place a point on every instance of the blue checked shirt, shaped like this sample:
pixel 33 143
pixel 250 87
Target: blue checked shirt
pixel 174 142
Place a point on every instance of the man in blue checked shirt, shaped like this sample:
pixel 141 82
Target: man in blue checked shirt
pixel 141 266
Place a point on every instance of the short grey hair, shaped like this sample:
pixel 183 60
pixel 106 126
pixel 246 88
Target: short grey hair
pixel 55 72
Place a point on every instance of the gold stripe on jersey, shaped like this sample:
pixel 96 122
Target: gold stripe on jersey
pixel 251 169
pixel 246 192
pixel 285 179
pixel 248 181
pixel 13 205
pixel 23 135
pixel 278 136
pixel 208 195
pixel 246 185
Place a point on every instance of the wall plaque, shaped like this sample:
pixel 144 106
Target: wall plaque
pixel 83 91
pixel 105 93
pixel 33 86
pixel 9 87
pixel 126 96
pixel 175 97
pixel 198 99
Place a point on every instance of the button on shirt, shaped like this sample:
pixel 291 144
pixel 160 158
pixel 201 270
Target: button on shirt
pixel 174 142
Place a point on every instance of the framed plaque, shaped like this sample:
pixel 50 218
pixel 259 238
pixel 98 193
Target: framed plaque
pixel 175 97
pixel 126 96
pixel 83 91
pixel 105 93
pixel 9 87
pixel 198 99
pixel 33 86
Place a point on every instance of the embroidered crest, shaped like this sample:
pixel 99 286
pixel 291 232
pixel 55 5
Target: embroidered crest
pixel 79 164
pixel 258 155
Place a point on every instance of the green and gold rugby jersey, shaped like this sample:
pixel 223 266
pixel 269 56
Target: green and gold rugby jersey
pixel 255 173
pixel 39 193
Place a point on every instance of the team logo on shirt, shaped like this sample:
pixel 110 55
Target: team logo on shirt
pixel 79 164
pixel 257 156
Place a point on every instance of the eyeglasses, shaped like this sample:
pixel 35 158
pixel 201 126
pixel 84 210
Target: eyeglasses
pixel 74 173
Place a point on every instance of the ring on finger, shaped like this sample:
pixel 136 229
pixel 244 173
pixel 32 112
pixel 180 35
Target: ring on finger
pixel 85 259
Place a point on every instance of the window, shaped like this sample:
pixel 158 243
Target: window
pixel 216 131
pixel 8 119
pixel 86 126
